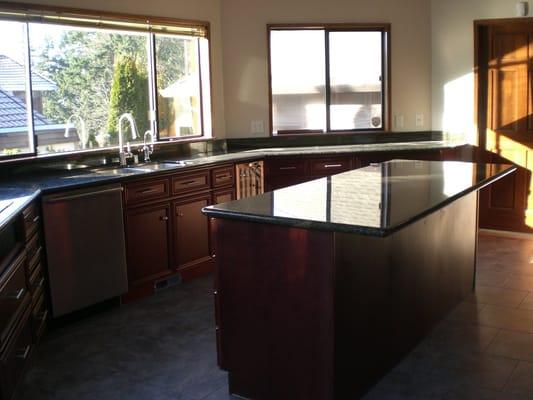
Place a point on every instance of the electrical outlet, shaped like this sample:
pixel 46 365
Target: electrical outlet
pixel 398 121
pixel 257 127
pixel 419 120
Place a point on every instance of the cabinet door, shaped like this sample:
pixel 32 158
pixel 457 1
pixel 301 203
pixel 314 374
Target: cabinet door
pixel 223 195
pixel 191 231
pixel 147 230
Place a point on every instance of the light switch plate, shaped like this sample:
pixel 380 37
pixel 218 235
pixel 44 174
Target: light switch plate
pixel 398 121
pixel 419 120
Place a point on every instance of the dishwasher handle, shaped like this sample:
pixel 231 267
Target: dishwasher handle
pixel 55 199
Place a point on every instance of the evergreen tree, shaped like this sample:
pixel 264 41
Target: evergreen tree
pixel 129 94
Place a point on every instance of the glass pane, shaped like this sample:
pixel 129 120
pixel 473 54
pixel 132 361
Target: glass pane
pixel 15 136
pixel 355 79
pixel 178 86
pixel 297 60
pixel 83 81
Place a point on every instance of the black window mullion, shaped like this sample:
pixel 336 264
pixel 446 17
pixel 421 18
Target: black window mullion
pixel 152 79
pixel 32 136
pixel 328 89
pixel 384 78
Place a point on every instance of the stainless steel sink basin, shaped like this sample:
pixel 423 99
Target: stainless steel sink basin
pixel 132 169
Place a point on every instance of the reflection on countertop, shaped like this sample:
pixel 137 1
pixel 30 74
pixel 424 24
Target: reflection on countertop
pixel 376 200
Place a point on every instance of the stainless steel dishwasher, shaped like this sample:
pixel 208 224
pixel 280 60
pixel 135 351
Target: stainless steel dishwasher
pixel 85 247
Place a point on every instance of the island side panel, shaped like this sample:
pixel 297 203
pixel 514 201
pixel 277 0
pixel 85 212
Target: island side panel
pixel 391 291
pixel 274 297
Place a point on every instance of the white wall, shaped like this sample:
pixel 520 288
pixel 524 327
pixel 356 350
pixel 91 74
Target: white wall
pixel 203 10
pixel 245 52
pixel 452 59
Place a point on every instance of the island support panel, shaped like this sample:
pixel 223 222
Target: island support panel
pixel 307 314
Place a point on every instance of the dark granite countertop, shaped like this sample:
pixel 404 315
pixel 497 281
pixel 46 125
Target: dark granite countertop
pixel 45 180
pixel 376 200
pixel 13 201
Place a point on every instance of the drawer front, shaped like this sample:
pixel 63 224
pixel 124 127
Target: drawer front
pixel 223 176
pixel 39 315
pixel 286 166
pixel 330 166
pixel 35 261
pixel 36 281
pixel 32 220
pixel 15 358
pixel 13 296
pixel 190 182
pixel 147 190
pixel 33 247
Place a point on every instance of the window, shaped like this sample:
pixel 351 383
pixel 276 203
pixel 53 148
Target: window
pixel 67 77
pixel 328 78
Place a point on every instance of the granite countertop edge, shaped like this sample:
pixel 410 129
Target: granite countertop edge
pixel 53 181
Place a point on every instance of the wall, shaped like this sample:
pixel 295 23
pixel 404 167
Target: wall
pixel 245 52
pixel 203 10
pixel 452 60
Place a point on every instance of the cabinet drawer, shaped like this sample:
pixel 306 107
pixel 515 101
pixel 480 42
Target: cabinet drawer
pixel 15 357
pixel 35 261
pixel 36 281
pixel 147 190
pixel 189 182
pixel 330 166
pixel 286 167
pixel 32 219
pixel 223 176
pixel 13 297
pixel 39 315
pixel 33 247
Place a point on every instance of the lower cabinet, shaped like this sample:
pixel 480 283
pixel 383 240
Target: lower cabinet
pixel 147 232
pixel 169 235
pixel 191 231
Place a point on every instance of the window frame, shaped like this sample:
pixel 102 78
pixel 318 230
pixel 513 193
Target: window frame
pixel 151 25
pixel 384 28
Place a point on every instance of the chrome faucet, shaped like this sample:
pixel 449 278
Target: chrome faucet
pixel 148 149
pixel 82 133
pixel 124 155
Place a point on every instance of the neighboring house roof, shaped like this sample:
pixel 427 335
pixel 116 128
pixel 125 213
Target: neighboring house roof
pixel 13 113
pixel 13 77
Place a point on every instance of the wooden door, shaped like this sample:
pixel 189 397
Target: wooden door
pixel 507 56
pixel 191 231
pixel 147 231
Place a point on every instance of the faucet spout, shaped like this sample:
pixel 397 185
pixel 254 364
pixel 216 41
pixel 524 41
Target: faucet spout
pixel 133 126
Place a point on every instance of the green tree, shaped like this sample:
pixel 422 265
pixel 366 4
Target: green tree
pixel 129 94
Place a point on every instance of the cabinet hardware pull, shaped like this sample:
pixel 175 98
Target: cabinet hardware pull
pixel 23 353
pixel 188 182
pixel 146 191
pixel 223 176
pixel 180 214
pixel 42 315
pixel 286 168
pixel 163 218
pixel 37 218
pixel 215 292
pixel 16 295
pixel 332 165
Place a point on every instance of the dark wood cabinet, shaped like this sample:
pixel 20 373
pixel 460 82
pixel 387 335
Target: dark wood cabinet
pixel 166 232
pixel 147 232
pixel 191 231
pixel 223 195
pixel 23 305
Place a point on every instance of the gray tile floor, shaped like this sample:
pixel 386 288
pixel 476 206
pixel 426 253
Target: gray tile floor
pixel 163 347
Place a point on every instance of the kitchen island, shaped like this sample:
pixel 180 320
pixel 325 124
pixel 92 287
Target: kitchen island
pixel 321 288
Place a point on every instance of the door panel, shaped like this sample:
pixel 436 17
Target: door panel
pixel 505 204
pixel 147 230
pixel 191 239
